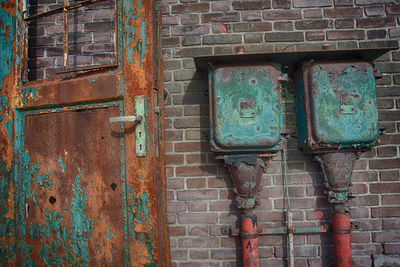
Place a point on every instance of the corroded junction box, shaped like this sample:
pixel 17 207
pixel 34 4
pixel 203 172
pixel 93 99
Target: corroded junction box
pixel 336 105
pixel 246 110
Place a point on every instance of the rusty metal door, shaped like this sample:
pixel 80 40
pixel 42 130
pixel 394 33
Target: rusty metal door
pixel 85 191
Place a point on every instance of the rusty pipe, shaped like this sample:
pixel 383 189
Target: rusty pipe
pixel 341 238
pixel 249 237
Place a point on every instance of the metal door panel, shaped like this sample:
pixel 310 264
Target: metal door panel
pixel 72 190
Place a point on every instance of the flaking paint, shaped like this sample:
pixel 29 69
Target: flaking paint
pixel 135 36
pixel 330 97
pixel 30 101
pixel 7 165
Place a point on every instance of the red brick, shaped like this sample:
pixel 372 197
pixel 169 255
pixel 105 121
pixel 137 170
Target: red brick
pixel 220 205
pixel 359 212
pixel 386 236
pixel 347 12
pixel 199 264
pixel 315 36
pixel 312 3
pixel 175 183
pixel 197 218
pixel 252 27
pixel 372 2
pixel 389 139
pixel 197 206
pixel 220 17
pixel 283 26
pixel 191 146
pixel 198 254
pixel 375 34
pixel 391 224
pixel 390 175
pixel 177 230
pixel 385 187
pixel 281 14
pixel 312 13
pixel 391 199
pixel 173 159
pixel 179 254
pixel 197 195
pixel 385 212
pixel 345 35
pixel 251 15
pixel 375 11
pixel 393 9
pixel 385 164
pixel 251 5
pixel 220 6
pixel 368 249
pixel 281 4
pixel 189 8
pixel 173 135
pixel 370 200
pixel 391 248
pixel 195 183
pixel 190 19
pixel 198 230
pixel 388 151
pixel 190 29
pixel 362 260
pixel 176 206
pixel 195 158
pixel 359 237
pixel 376 22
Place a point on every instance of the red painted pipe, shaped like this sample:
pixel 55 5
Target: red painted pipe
pixel 249 240
pixel 341 238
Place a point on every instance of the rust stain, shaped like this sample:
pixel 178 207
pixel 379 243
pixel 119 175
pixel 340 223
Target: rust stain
pixel 138 254
pixel 10 213
pixel 8 7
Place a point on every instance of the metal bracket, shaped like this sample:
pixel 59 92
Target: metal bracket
pixel 140 130
pixel 140 124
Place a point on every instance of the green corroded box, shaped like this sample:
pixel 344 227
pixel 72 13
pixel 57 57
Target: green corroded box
pixel 336 106
pixel 245 108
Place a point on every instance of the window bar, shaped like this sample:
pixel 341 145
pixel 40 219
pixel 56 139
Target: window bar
pixel 59 10
pixel 65 37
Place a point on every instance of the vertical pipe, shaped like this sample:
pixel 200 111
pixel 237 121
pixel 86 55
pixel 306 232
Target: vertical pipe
pixel 341 238
pixel 249 239
pixel 290 239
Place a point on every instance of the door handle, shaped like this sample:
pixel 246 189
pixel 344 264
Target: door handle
pixel 138 118
pixel 141 110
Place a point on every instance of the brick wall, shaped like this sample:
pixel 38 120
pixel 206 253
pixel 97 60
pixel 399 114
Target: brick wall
pixel 200 196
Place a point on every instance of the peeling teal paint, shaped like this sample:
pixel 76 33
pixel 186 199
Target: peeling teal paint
pixel 29 93
pixel 109 234
pixel 251 95
pixel 81 225
pixel 142 46
pixel 50 253
pixel 62 164
pixel 7 222
pixel 140 213
pixel 8 126
pixel 343 105
pixel 130 43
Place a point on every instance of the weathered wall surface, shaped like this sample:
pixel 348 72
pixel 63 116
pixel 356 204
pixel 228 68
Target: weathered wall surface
pixel 201 200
